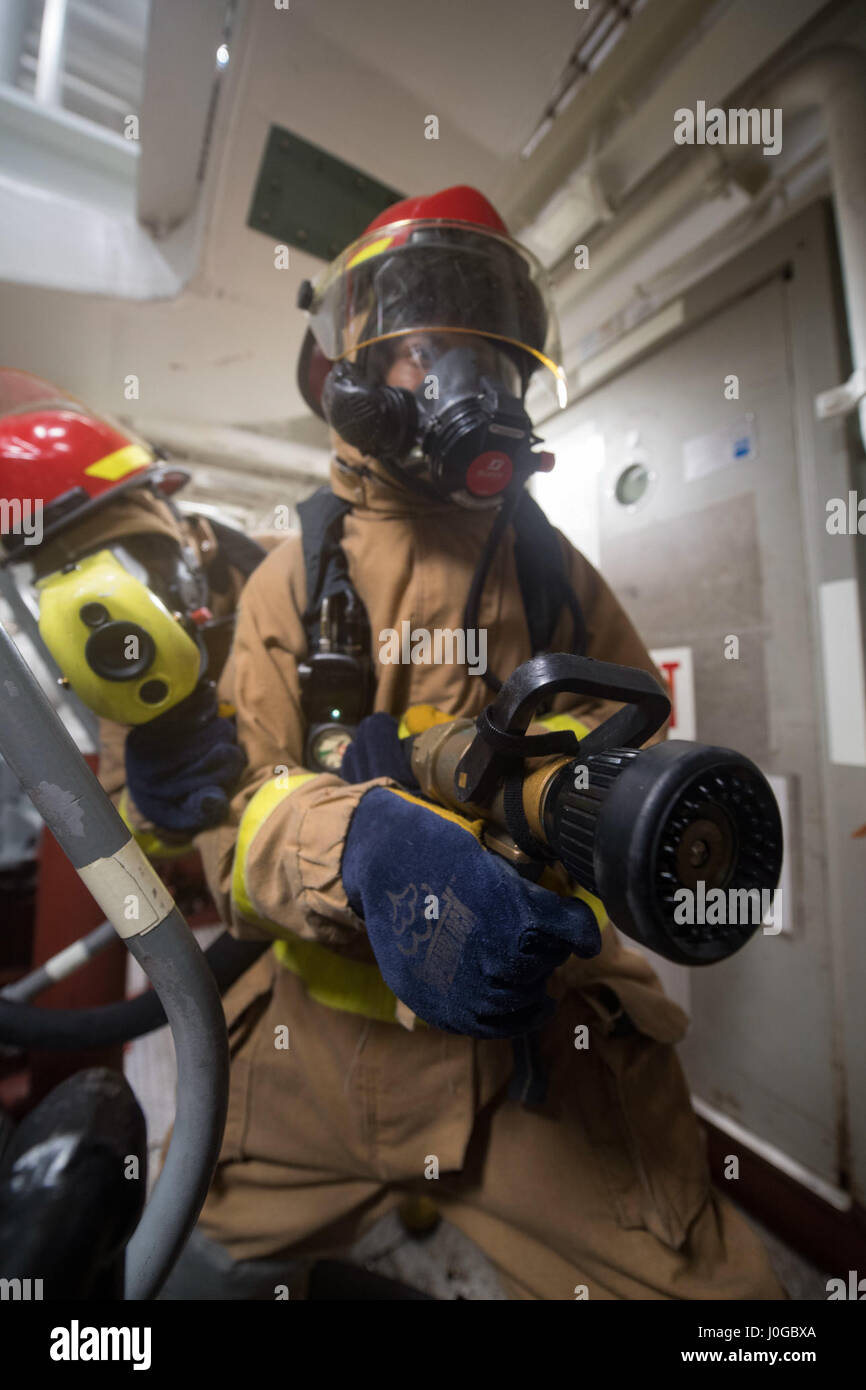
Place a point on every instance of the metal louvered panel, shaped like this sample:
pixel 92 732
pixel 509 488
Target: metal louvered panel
pixel 102 58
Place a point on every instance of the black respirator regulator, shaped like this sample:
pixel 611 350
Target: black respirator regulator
pixel 463 436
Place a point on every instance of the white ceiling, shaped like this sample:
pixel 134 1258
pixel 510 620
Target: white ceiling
pixel 359 79
pixel 486 69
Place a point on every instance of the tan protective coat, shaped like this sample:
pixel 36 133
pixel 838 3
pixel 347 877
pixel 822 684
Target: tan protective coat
pixel 606 1185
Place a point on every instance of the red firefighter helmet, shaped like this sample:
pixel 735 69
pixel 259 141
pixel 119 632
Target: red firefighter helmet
pixel 438 263
pixel 61 462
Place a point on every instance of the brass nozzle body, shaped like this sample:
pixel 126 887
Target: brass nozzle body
pixel 436 755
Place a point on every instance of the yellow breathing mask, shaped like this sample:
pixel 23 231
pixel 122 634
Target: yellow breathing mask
pixel 121 650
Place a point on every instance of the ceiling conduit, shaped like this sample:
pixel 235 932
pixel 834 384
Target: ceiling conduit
pixel 834 80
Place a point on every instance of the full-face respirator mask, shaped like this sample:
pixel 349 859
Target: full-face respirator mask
pixel 462 434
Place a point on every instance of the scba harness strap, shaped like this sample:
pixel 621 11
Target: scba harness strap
pixel 325 567
pixel 545 589
pixel 544 584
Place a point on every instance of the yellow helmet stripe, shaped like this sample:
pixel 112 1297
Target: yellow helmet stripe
pixel 373 249
pixel 120 463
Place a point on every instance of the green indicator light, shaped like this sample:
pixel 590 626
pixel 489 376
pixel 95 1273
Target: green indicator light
pixel 335 713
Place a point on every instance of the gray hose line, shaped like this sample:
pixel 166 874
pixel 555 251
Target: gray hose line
pixel 89 830
pixel 29 624
pixel 171 958
pixel 59 966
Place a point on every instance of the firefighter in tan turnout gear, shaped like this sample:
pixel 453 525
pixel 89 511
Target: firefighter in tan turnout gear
pixel 136 600
pixel 429 1022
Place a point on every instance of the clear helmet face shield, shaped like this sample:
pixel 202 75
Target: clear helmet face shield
pixel 432 275
pixel 23 394
pixel 449 312
pixel 24 391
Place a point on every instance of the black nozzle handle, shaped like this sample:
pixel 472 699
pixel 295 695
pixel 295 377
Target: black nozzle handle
pixel 646 709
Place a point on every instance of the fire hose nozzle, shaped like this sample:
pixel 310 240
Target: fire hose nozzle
pixel 650 831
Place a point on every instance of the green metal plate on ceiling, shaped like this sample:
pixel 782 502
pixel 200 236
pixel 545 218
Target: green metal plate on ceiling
pixel 308 199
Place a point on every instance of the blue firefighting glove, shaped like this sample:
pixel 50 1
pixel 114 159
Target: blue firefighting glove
pixel 458 935
pixel 182 767
pixel 377 751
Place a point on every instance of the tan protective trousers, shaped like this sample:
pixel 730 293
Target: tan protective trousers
pixel 603 1188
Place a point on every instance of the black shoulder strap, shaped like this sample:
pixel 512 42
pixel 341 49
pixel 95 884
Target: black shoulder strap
pixel 544 583
pixel 541 572
pixel 327 573
pixel 242 552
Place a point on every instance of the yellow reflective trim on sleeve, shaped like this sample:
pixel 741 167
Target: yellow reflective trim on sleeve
pixel 266 799
pixel 556 722
pixel 331 979
pixel 120 463
pixel 475 827
pixel 353 986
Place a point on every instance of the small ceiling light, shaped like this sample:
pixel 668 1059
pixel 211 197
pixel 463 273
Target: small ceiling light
pixel 222 56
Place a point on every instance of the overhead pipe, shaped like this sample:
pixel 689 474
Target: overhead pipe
pixel 647 42
pixel 703 173
pixel 52 43
pixel 834 81
pixel 14 19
